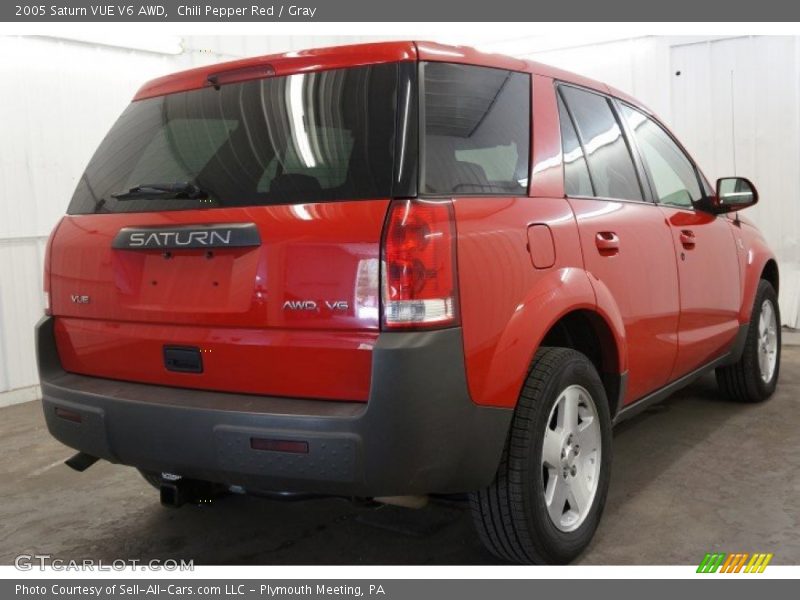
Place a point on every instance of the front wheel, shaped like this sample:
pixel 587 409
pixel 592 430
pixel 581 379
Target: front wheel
pixel 754 376
pixel 550 488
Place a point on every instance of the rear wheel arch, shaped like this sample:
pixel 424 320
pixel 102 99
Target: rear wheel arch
pixel 496 377
pixel 589 333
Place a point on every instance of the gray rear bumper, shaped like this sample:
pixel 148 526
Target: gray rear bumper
pixel 418 433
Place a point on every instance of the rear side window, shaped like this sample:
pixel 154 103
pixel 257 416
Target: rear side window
pixel 476 126
pixel 576 174
pixel 320 136
pixel 671 171
pixel 610 163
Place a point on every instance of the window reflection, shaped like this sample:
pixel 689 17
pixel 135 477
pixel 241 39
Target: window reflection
pixel 672 173
pixel 576 174
pixel 610 164
pixel 310 137
pixel 477 130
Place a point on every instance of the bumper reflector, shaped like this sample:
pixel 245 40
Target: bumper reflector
pixel 279 445
pixel 68 415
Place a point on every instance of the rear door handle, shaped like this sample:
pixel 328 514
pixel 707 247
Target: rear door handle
pixel 607 242
pixel 687 238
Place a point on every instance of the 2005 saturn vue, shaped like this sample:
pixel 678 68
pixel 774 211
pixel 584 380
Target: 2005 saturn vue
pixel 393 270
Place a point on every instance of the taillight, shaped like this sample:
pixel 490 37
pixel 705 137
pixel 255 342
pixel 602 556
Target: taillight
pixel 419 265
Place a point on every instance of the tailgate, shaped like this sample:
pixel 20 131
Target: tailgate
pixel 294 312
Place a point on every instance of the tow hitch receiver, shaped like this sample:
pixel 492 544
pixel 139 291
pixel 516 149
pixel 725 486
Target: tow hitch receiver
pixel 81 461
pixel 177 492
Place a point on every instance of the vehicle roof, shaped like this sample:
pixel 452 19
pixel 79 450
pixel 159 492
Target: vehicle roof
pixel 353 55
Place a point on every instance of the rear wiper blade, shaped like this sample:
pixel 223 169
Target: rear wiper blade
pixel 182 190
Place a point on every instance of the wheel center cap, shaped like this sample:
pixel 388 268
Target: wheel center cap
pixel 568 453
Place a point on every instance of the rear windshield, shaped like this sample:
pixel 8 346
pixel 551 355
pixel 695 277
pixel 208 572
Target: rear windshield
pixel 320 136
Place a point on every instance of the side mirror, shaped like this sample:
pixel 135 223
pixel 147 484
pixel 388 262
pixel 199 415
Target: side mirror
pixel 733 193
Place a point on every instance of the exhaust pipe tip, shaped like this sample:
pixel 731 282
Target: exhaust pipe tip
pixel 81 461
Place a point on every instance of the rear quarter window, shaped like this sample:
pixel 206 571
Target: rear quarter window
pixel 476 130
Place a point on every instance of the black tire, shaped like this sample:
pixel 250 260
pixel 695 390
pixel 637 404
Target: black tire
pixel 742 380
pixel 511 514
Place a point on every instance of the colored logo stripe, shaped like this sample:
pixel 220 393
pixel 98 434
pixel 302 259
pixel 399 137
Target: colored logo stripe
pixel 758 563
pixel 727 566
pixel 734 563
pixel 711 562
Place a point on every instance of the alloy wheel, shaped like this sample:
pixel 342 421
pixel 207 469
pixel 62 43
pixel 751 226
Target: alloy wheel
pixel 571 455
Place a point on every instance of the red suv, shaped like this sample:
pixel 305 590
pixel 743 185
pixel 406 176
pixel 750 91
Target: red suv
pixel 390 270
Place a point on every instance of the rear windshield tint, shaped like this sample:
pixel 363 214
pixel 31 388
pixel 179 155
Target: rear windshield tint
pixel 321 136
pixel 476 130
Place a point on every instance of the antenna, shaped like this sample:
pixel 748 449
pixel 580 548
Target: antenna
pixel 733 138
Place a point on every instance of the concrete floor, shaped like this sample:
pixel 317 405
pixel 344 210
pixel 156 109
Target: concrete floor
pixel 692 475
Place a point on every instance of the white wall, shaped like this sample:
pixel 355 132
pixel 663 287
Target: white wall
pixel 61 96
pixel 736 106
